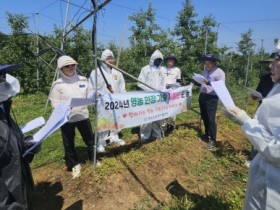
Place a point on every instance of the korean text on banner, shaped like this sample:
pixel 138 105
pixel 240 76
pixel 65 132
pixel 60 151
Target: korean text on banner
pixel 122 110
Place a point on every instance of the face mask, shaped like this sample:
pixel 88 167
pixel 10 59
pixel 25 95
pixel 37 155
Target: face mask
pixel 157 62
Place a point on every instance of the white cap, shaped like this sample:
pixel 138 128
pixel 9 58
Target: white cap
pixel 64 61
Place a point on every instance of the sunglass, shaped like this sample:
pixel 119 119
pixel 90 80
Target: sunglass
pixel 67 66
pixel 2 78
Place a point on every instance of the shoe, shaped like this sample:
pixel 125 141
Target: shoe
pixel 100 149
pixel 170 128
pixel 143 141
pixel 119 142
pixel 247 163
pixel 205 138
pixel 76 171
pixel 98 163
pixel 211 144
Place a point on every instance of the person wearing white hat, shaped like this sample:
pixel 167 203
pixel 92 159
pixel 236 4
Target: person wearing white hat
pixel 71 85
pixel 263 132
pixel 116 81
pixel 152 74
pixel 16 182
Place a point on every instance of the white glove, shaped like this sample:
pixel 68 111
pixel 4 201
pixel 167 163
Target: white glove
pixel 236 115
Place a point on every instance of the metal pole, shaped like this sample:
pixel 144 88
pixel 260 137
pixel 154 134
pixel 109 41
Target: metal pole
pixel 94 43
pixel 37 47
pixel 206 40
pixel 121 42
pixel 262 51
pixel 216 44
pixel 247 70
pixel 56 50
pixel 127 74
pixel 90 14
pixel 65 24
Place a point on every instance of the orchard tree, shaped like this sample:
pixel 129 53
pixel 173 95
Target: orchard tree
pixel 208 36
pixel 246 44
pixel 187 30
pixel 246 48
pixel 146 37
pixel 18 48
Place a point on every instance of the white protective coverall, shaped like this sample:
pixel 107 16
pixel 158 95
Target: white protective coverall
pixel 116 80
pixel 263 131
pixel 152 76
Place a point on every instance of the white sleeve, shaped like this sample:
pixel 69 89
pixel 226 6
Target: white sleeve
pixel 55 96
pixel 122 84
pixel 91 80
pixel 267 144
pixel 221 76
pixel 90 90
pixel 179 73
pixel 142 77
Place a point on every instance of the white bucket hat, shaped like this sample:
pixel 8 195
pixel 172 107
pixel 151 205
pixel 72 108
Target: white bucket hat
pixel 64 61
pixel 9 88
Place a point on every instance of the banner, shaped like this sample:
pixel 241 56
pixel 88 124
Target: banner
pixel 122 110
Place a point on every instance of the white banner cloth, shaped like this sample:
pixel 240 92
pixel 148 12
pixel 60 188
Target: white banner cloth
pixel 122 110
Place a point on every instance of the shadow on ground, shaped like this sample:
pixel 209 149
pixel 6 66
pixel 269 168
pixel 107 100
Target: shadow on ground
pixel 194 201
pixel 46 196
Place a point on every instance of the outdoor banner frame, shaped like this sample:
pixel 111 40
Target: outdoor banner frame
pixel 123 110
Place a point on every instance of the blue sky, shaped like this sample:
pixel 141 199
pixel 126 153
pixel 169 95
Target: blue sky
pixel 235 17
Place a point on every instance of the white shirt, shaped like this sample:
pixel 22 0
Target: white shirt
pixel 171 74
pixel 66 88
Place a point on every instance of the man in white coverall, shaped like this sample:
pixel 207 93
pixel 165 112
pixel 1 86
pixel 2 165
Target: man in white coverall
pixel 172 77
pixel 152 75
pixel 263 131
pixel 116 80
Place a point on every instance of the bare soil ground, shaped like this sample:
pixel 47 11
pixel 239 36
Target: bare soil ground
pixel 144 185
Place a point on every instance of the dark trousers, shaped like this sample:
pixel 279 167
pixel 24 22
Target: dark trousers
pixel 208 107
pixel 68 135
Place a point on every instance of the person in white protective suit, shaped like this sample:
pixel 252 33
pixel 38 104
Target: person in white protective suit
pixel 152 75
pixel 116 80
pixel 172 79
pixel 263 131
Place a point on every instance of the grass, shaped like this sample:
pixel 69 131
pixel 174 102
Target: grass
pixel 216 180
